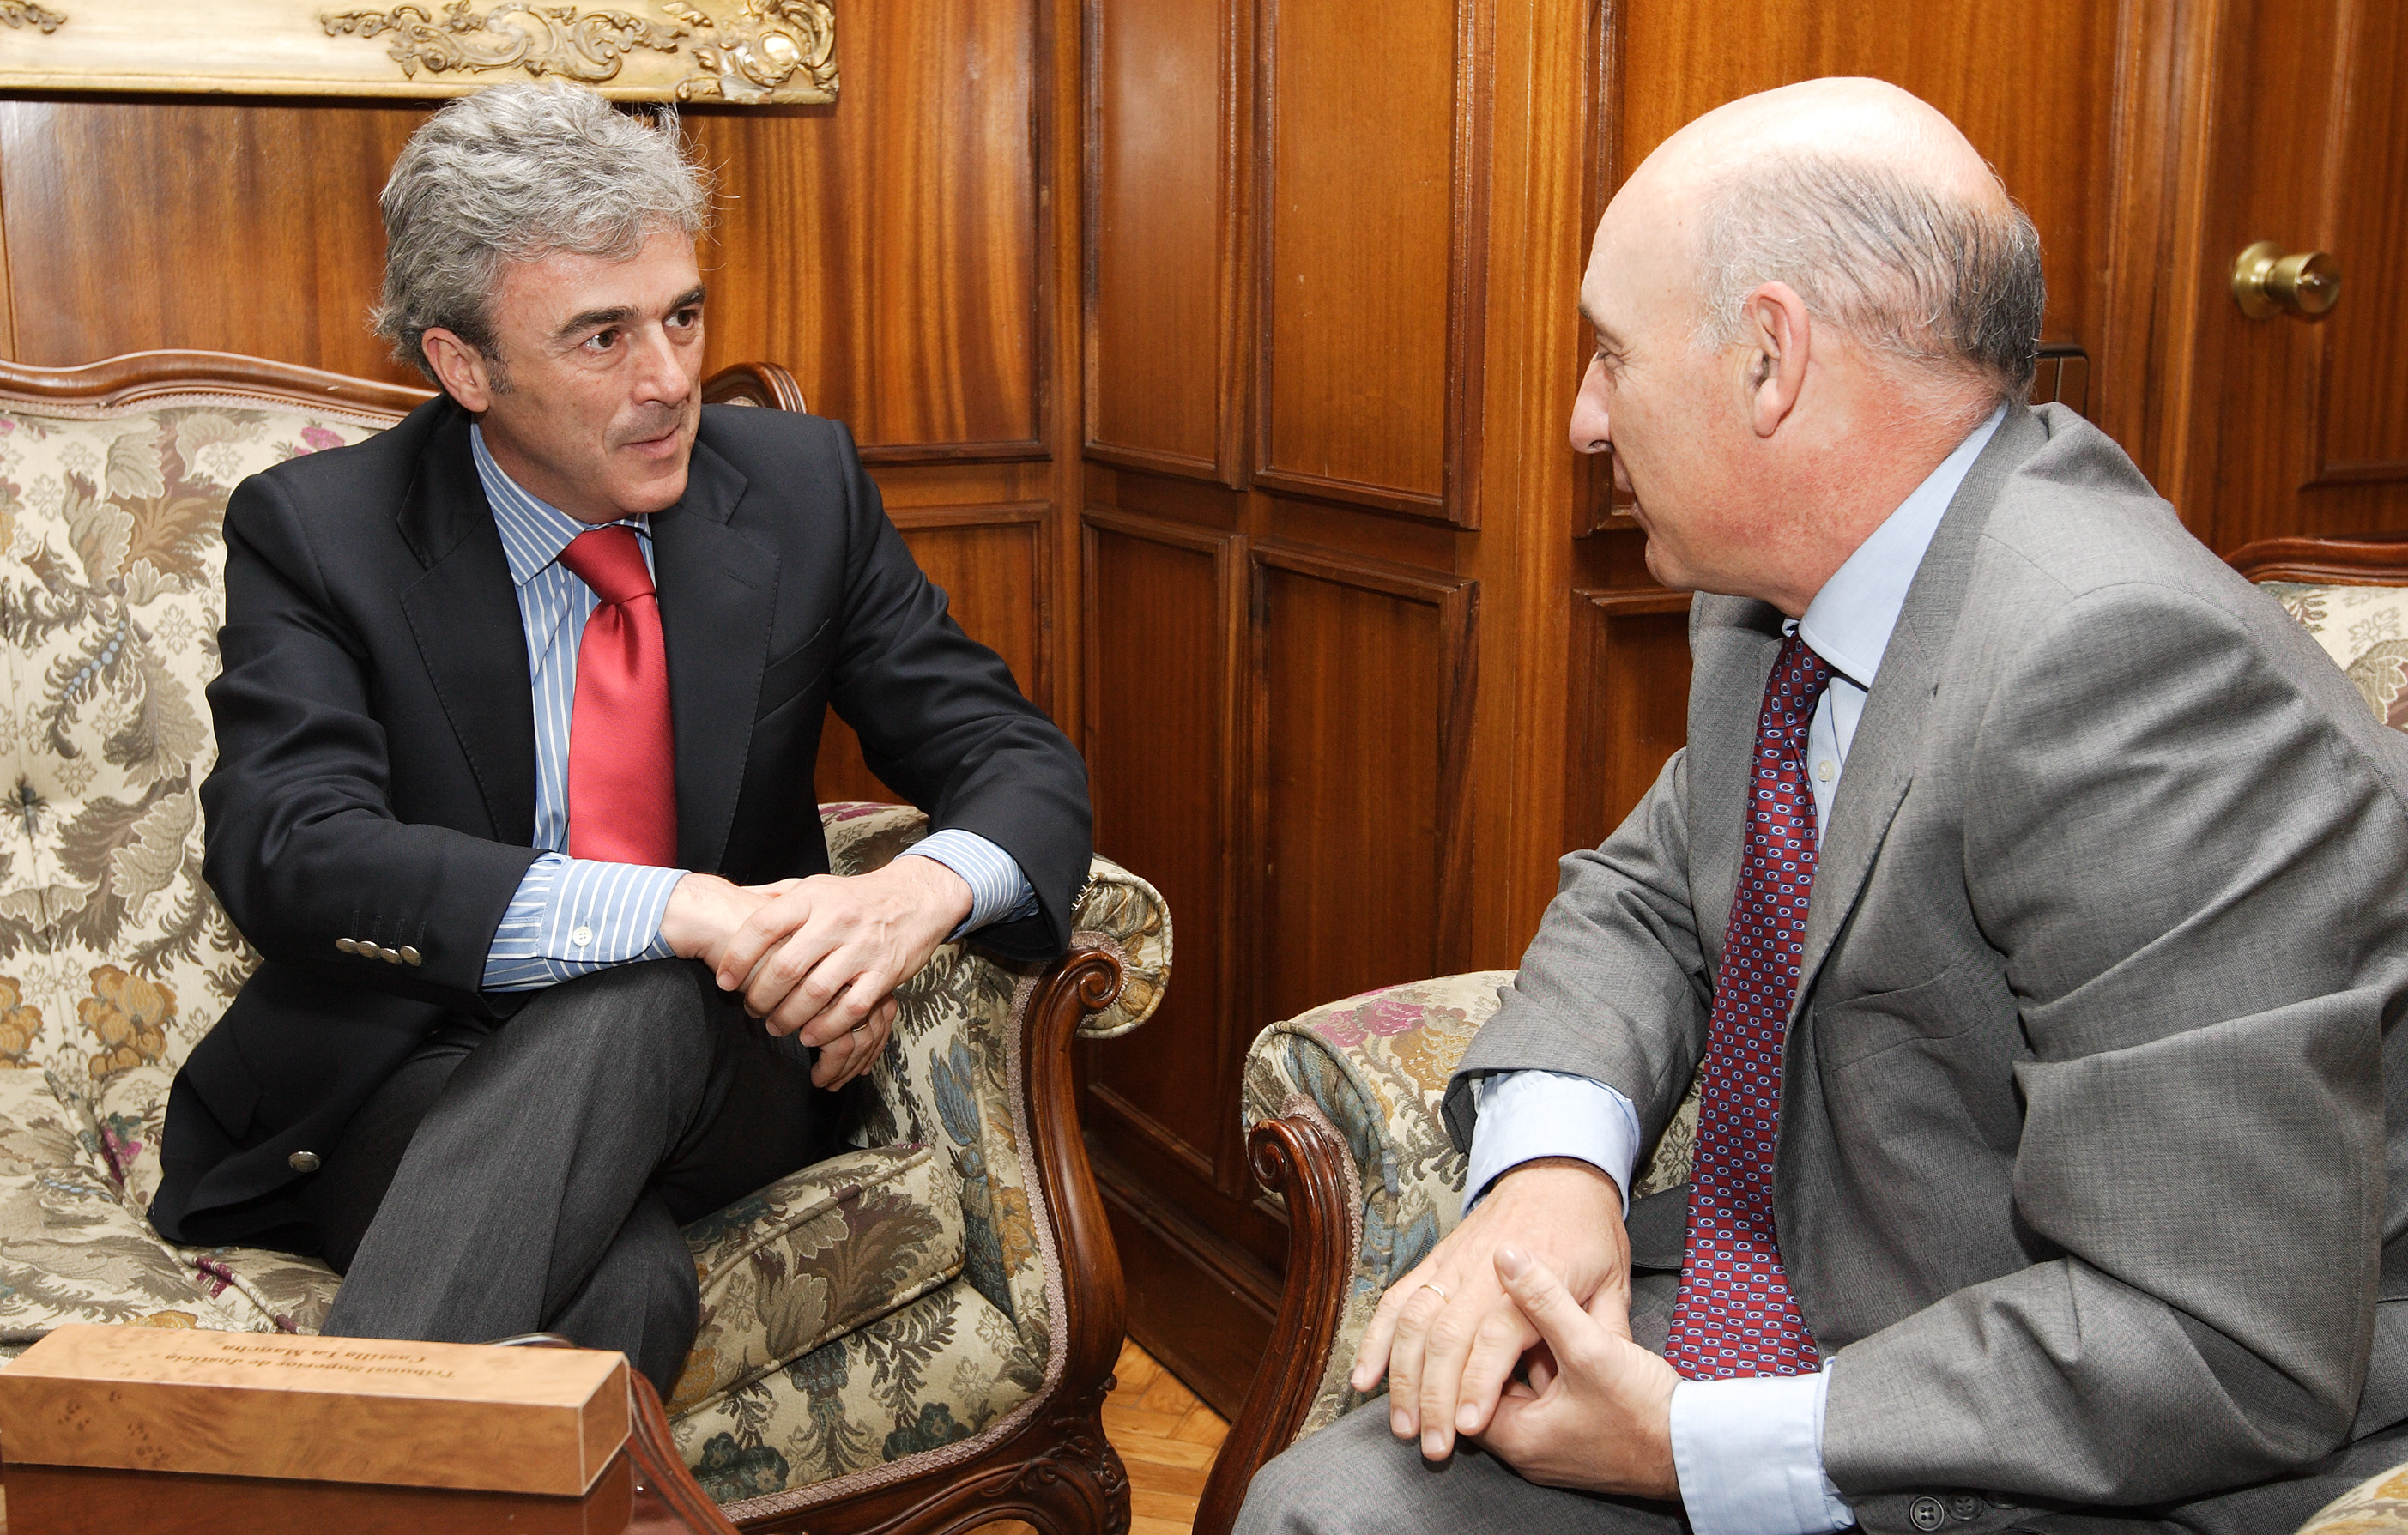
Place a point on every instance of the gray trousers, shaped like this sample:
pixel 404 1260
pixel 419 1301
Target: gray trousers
pixel 534 1175
pixel 1356 1478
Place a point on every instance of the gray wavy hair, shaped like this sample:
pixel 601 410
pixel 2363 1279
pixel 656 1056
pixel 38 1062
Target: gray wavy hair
pixel 515 173
pixel 1934 281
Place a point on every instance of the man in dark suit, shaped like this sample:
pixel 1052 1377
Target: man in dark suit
pixel 516 729
pixel 2026 903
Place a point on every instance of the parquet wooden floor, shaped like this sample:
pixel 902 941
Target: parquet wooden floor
pixel 1167 1438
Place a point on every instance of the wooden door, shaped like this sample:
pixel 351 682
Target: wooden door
pixel 2286 425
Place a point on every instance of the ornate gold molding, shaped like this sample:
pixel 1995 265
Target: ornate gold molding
pixel 585 45
pixel 743 52
pixel 24 13
pixel 769 50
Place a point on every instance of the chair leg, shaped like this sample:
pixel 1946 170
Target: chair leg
pixel 1301 1159
pixel 1079 1487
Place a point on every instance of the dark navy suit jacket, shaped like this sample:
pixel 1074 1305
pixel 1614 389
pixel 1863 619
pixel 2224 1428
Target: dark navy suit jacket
pixel 376 776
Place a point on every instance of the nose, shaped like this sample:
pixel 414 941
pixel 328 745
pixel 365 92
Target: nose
pixel 1592 427
pixel 660 375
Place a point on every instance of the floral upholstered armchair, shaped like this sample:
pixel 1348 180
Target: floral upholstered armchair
pixel 914 1335
pixel 1342 1103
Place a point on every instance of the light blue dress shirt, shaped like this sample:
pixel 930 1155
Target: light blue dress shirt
pixel 573 916
pixel 1749 1452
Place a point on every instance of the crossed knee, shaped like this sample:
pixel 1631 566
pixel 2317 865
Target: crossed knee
pixel 647 1017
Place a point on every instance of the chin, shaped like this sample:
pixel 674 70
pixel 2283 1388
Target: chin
pixel 1661 565
pixel 654 493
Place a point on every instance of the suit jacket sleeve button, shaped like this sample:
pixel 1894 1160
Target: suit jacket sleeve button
pixel 1927 1512
pixel 346 945
pixel 408 954
pixel 302 1161
pixel 390 957
pixel 1965 1508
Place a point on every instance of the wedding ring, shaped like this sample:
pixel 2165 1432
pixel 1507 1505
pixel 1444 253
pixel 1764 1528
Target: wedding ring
pixel 1426 1285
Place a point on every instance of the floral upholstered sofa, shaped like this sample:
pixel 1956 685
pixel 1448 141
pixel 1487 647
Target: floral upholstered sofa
pixel 921 1324
pixel 1342 1103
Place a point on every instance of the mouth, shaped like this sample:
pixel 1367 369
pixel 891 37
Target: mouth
pixel 667 445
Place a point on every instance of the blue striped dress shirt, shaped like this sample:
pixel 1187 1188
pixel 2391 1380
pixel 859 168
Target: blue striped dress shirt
pixel 573 916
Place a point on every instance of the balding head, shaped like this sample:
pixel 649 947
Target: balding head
pixel 1875 210
pixel 1803 302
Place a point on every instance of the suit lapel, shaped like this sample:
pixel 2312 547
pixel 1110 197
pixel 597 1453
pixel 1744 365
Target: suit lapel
pixel 719 593
pixel 1734 645
pixel 464 614
pixel 1881 760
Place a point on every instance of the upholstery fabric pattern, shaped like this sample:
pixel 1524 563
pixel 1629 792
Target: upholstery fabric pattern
pixel 2365 631
pixel 932 1375
pixel 69 1249
pixel 2377 1506
pixel 112 953
pixel 891 1299
pixel 114 959
pixel 814 1255
pixel 1376 1066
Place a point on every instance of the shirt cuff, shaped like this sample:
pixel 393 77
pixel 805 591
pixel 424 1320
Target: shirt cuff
pixel 999 892
pixel 574 916
pixel 1749 1453
pixel 1525 1115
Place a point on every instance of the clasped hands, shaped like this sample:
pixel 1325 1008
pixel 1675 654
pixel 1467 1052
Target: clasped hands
pixel 1515 1333
pixel 821 955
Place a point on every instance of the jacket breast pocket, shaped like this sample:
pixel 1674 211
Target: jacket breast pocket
pixel 1966 994
pixel 787 678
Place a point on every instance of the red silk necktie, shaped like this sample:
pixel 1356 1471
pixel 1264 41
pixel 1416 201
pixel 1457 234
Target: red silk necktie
pixel 622 755
pixel 1734 1314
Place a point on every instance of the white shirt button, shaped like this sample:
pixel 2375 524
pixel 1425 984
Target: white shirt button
pixel 1825 770
pixel 581 936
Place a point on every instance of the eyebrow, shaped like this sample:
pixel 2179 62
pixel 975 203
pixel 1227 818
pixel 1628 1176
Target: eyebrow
pixel 1604 332
pixel 621 313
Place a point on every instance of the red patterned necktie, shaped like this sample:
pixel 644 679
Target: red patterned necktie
pixel 1734 1314
pixel 621 756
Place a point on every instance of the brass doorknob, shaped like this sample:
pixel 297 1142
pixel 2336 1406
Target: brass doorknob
pixel 2265 282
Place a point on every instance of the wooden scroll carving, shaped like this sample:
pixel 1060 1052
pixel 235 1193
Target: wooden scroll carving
pixel 24 13
pixel 1296 1158
pixel 750 52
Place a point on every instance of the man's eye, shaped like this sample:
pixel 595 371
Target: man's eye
pixel 602 340
pixel 686 319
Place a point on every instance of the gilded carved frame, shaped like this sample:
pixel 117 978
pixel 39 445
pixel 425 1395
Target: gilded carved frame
pixel 748 53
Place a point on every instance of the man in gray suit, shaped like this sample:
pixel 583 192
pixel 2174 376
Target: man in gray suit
pixel 2028 900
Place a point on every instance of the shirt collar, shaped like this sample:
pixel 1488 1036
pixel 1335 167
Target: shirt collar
pixel 1849 622
pixel 534 531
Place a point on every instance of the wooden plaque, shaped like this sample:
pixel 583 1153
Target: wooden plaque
pixel 79 1499
pixel 316 1409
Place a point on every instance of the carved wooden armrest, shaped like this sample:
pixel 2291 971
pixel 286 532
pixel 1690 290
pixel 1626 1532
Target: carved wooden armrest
pixel 1298 1157
pixel 1343 1105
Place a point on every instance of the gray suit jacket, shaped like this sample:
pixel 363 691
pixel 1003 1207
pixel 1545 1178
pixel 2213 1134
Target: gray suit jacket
pixel 2094 1076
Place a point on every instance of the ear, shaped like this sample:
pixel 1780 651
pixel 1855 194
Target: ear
pixel 466 374
pixel 1778 340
